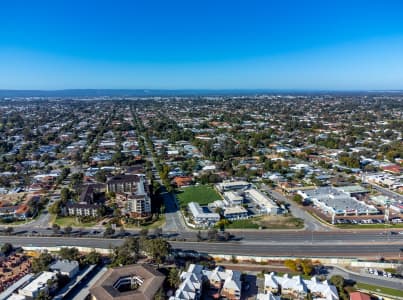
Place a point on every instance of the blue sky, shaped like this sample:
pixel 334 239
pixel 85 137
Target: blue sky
pixel 212 44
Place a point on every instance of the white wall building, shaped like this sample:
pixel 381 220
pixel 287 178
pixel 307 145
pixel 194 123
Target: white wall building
pixel 233 198
pixel 298 288
pixel 200 217
pixel 40 283
pixel 264 203
pixel 232 185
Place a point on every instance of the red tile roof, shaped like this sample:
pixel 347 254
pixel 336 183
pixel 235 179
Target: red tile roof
pixel 359 296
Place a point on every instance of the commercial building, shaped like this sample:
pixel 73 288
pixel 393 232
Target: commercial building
pixel 264 204
pixel 40 283
pixel 65 267
pixel 134 282
pixel 335 202
pixel 355 191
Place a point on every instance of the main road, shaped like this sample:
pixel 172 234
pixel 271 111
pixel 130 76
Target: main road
pixel 316 249
pixel 250 237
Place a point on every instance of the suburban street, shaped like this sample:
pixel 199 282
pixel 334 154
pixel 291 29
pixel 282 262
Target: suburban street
pixel 173 218
pixel 373 280
pixel 387 192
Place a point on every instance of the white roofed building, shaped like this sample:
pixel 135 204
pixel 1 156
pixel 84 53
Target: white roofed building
pixel 200 217
pixel 264 203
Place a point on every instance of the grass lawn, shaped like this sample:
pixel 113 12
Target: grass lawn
pixel 244 224
pixel 149 225
pixel 379 289
pixel 202 194
pixel 268 222
pixel 71 221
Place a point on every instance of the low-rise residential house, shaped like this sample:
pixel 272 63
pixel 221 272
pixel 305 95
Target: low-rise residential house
pixel 232 286
pixel 181 181
pixel 298 288
pixel 268 296
pixel 191 284
pixel 359 296
pixel 225 283
pixel 393 169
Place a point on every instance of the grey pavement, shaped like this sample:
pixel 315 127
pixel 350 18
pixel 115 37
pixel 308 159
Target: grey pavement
pixel 387 192
pixel 380 281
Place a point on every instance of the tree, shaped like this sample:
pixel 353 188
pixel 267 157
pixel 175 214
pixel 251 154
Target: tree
pixel 143 232
pixel 109 232
pixel 100 176
pixel 199 236
pixel 222 223
pixel 226 235
pixel 307 266
pixel 297 198
pixel 55 228
pixel 56 208
pixel 69 253
pixel 9 230
pixel 65 195
pixel 160 295
pixel 42 262
pixel 6 249
pixel 158 249
pixel 339 283
pixel 43 295
pixel 122 256
pixel 93 258
pixel 173 277
pixel 212 234
pixel 68 230
pixel 290 264
pixel 158 232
